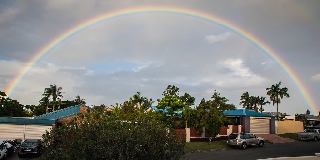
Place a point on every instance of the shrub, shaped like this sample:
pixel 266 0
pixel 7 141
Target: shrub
pixel 94 136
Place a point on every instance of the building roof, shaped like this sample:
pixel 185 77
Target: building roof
pixel 11 120
pixel 62 113
pixel 312 117
pixel 245 112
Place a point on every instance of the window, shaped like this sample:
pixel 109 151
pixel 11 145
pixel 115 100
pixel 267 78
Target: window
pixel 252 136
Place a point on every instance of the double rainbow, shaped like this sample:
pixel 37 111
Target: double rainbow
pixel 187 12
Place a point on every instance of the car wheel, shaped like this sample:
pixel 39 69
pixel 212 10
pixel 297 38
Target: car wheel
pixel 244 146
pixel 261 143
pixel 315 138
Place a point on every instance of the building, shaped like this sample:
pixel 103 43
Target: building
pixel 252 121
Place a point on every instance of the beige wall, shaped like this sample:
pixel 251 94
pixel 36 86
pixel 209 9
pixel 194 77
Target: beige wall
pixel 289 127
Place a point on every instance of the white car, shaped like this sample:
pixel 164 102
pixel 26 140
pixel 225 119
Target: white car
pixel 3 150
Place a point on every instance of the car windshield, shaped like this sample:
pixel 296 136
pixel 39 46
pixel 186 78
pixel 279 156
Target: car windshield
pixel 233 136
pixel 29 144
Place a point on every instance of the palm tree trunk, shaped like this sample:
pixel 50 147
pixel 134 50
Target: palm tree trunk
pixel 277 111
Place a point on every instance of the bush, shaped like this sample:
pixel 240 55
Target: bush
pixel 94 136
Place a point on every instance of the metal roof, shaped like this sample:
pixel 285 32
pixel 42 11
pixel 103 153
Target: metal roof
pixel 62 113
pixel 10 120
pixel 245 112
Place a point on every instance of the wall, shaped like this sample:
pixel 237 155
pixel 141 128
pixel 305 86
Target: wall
pixel 289 127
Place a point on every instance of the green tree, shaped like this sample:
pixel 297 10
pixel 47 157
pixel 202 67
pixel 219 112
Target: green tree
pixel 94 136
pixel 254 101
pixel 10 107
pixel 55 94
pixel 276 93
pixel 79 100
pixel 302 118
pixel 220 102
pixel 171 106
pixel 245 101
pixel 262 101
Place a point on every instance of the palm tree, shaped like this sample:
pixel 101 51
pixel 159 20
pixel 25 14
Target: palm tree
pixel 262 101
pixel 276 93
pixel 245 101
pixel 56 94
pixel 254 102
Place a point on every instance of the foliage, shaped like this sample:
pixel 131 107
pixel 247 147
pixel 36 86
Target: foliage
pixel 302 118
pixel 209 114
pixel 137 103
pixel 51 98
pixel 252 102
pixel 276 93
pixel 10 107
pixel 212 122
pixel 262 101
pixel 175 109
pixel 92 135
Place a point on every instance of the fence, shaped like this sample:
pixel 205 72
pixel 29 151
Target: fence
pixel 289 127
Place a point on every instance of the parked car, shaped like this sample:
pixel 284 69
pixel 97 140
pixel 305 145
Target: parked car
pixel 3 150
pixel 10 147
pixel 30 147
pixel 309 134
pixel 243 140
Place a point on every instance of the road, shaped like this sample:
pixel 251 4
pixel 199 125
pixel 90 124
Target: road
pixel 292 149
pixel 15 157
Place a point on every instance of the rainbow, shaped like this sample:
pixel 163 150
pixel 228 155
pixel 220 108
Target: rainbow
pixel 187 12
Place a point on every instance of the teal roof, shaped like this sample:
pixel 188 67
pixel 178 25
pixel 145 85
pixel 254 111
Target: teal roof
pixel 62 113
pixel 12 120
pixel 245 112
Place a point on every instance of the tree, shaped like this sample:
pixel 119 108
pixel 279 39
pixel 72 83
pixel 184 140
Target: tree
pixel 308 112
pixel 79 100
pixel 92 135
pixel 10 107
pixel 254 102
pixel 245 101
pixel 262 101
pixel 55 94
pixel 220 102
pixel 276 93
pixel 171 106
pixel 302 118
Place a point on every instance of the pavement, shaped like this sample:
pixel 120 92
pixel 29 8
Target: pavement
pixel 294 158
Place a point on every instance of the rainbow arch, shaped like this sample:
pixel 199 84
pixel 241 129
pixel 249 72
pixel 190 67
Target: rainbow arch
pixel 188 12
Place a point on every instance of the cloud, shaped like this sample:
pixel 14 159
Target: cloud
pixel 316 77
pixel 238 76
pixel 220 37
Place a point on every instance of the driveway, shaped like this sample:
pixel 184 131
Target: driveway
pixel 290 149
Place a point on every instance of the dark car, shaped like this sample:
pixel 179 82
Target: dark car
pixel 30 147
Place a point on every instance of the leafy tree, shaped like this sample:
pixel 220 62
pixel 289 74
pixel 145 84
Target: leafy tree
pixel 79 100
pixel 55 94
pixel 308 112
pixel 171 106
pixel 262 101
pixel 302 118
pixel 220 102
pixel 245 101
pixel 10 107
pixel 212 122
pixel 276 93
pixel 254 102
pixel 93 136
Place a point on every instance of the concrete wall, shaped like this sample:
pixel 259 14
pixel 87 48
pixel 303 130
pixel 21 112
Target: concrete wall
pixel 289 127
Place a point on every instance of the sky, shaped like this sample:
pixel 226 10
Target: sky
pixel 108 62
